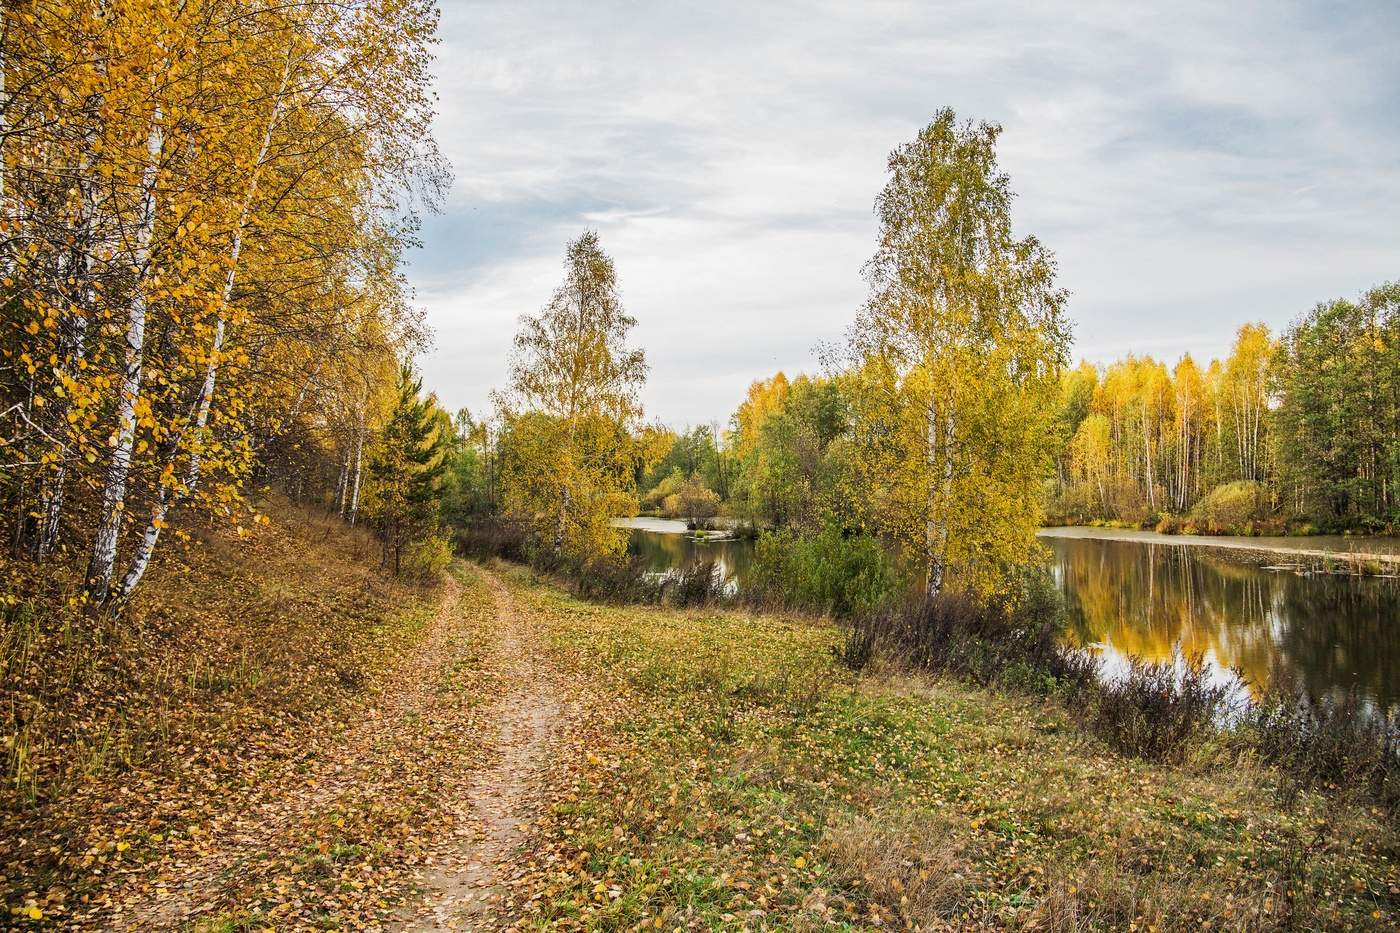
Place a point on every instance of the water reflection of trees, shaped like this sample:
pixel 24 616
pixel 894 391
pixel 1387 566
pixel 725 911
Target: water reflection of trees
pixel 1323 633
pixel 664 552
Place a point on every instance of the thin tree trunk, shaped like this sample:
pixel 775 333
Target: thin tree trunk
pixel 73 346
pixel 559 522
pixel 359 456
pixel 205 400
pixel 936 530
pixel 342 485
pixel 1147 466
pixel 564 493
pixel 104 548
pixel 4 109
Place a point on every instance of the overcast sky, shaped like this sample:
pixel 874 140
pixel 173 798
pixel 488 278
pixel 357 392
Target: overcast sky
pixel 1194 165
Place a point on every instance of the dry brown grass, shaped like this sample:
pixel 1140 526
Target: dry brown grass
pixel 916 870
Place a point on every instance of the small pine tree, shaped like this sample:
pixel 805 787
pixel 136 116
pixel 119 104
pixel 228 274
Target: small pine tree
pixel 403 495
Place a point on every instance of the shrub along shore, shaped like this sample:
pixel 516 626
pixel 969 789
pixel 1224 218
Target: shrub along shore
pixel 1340 746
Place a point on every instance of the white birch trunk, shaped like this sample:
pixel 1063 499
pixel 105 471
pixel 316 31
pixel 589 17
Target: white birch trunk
pixel 74 347
pixel 1147 466
pixel 104 548
pixel 936 529
pixel 204 401
pixel 359 458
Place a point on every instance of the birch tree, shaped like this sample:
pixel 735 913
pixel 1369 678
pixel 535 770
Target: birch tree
pixel 957 355
pixel 572 365
pixel 1246 387
pixel 205 202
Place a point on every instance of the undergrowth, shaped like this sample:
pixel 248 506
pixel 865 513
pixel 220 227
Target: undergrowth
pixel 237 655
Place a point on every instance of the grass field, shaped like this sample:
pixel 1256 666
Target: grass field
pixel 278 738
pixel 734 776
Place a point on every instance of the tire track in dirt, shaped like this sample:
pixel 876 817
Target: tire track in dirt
pixel 531 716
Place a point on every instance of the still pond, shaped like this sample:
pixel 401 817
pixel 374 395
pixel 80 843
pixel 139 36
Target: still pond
pixel 1135 594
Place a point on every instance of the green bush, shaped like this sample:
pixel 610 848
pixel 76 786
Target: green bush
pixel 829 572
pixel 692 499
pixel 1231 507
pixel 426 560
pixel 654 498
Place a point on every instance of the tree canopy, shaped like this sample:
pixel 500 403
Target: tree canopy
pixel 570 454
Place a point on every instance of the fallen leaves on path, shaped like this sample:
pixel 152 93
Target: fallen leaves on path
pixel 306 777
pixel 531 716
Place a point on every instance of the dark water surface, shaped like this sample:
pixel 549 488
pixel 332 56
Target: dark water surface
pixel 1326 633
pixel 663 546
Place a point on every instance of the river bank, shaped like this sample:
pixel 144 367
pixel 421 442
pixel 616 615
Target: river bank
pixel 735 776
pixel 1337 553
pixel 1340 549
pixel 1261 608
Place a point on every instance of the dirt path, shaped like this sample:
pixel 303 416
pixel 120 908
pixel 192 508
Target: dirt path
pixel 194 887
pixel 506 795
pixel 468 756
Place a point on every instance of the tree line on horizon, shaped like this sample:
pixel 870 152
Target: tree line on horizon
pixel 1294 433
pixel 1297 432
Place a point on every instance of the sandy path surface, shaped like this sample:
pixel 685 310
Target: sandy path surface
pixel 508 794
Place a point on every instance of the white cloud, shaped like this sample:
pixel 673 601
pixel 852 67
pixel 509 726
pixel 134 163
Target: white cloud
pixel 1194 165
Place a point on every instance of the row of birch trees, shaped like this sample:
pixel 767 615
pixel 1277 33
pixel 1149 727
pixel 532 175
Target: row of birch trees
pixel 1142 438
pixel 1302 428
pixel 202 208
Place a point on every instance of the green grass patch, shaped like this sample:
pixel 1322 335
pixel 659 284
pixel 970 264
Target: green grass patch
pixel 734 777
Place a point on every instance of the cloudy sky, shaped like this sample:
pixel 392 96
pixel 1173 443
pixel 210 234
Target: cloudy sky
pixel 1193 165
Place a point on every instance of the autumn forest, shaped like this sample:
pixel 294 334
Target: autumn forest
pixel 287 642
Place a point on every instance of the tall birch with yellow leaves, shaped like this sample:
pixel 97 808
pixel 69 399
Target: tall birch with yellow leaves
pixel 570 422
pixel 955 358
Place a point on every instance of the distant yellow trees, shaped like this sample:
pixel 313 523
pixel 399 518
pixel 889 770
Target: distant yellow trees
pixel 1142 439
pixel 200 208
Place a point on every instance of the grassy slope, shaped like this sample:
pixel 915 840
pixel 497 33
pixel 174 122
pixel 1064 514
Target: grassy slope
pixel 735 777
pixel 241 662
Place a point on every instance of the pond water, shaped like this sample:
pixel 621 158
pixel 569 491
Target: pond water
pixel 1129 595
pixel 663 545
